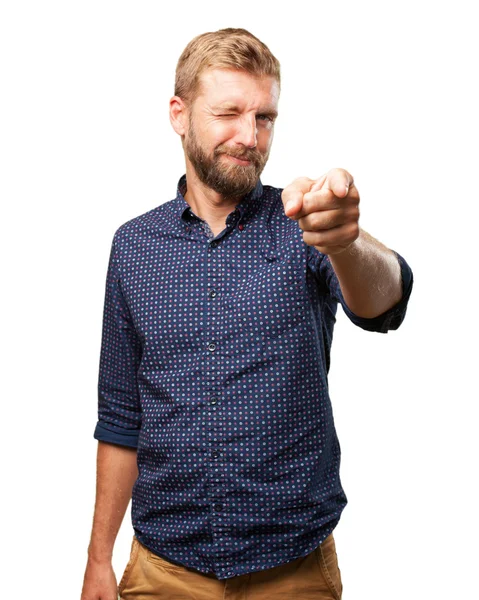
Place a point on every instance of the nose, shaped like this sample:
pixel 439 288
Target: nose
pixel 248 131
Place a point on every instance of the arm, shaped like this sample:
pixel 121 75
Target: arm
pixel 116 473
pixel 369 275
pixel 117 431
pixel 321 265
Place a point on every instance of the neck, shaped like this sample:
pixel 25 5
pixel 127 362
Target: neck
pixel 205 202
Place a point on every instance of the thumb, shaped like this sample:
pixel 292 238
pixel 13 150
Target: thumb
pixel 338 181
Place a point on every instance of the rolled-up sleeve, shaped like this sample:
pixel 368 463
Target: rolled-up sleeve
pixel 119 409
pixel 328 283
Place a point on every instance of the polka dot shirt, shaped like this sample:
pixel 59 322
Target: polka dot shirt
pixel 214 359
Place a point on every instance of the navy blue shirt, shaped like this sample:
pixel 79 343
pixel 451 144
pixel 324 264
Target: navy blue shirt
pixel 214 360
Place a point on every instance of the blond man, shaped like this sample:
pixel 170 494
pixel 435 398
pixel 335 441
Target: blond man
pixel 214 413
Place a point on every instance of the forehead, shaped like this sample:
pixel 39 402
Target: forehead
pixel 223 86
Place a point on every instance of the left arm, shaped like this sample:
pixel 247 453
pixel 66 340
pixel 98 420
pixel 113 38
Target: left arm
pixel 327 210
pixel 369 275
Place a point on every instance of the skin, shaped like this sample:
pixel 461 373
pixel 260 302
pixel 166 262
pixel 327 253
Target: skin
pixel 211 130
pixel 326 209
pixel 116 474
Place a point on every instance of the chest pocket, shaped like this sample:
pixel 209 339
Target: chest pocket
pixel 269 302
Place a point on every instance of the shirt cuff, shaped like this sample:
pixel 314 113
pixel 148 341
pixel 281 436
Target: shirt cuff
pixel 392 318
pixel 104 432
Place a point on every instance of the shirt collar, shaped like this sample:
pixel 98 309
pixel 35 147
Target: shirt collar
pixel 247 206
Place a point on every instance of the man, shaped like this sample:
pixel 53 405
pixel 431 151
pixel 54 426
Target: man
pixel 214 411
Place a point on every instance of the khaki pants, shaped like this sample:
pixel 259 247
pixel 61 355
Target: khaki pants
pixel 314 576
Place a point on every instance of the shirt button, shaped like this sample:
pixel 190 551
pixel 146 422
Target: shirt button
pixel 213 293
pixel 213 400
pixel 216 454
pixel 211 346
pixel 218 507
pixel 241 226
pixel 214 243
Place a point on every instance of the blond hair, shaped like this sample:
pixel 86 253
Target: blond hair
pixel 228 48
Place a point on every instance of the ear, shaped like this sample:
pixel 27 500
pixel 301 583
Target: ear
pixel 178 115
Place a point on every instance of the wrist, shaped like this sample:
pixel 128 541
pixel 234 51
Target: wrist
pixel 99 556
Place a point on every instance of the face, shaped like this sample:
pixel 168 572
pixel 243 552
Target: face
pixel 230 122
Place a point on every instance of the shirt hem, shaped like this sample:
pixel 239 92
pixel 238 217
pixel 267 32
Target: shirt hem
pixel 244 571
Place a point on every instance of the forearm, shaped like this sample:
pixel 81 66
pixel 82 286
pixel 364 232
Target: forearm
pixel 116 473
pixel 369 275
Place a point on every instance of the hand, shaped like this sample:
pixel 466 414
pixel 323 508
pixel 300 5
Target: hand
pixel 327 210
pixel 99 582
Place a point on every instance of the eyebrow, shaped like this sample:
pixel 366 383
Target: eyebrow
pixel 270 112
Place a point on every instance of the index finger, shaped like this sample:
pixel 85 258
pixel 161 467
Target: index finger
pixel 339 182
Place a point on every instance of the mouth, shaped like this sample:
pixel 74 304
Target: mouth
pixel 239 161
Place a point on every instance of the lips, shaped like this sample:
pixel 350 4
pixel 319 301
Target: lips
pixel 240 158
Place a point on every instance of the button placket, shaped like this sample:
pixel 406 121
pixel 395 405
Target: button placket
pixel 214 416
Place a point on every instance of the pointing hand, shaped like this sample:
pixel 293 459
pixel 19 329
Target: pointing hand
pixel 327 210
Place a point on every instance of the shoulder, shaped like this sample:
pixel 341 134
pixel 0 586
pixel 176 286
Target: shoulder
pixel 272 203
pixel 283 234
pixel 143 225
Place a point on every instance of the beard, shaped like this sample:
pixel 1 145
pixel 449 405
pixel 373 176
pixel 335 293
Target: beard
pixel 224 176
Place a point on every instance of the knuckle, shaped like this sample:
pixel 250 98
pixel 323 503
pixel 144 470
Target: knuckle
pixel 318 221
pixel 353 214
pixel 354 231
pixel 302 179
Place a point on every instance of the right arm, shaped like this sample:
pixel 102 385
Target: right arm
pixel 116 473
pixel 117 432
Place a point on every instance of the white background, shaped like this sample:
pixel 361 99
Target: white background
pixel 386 91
